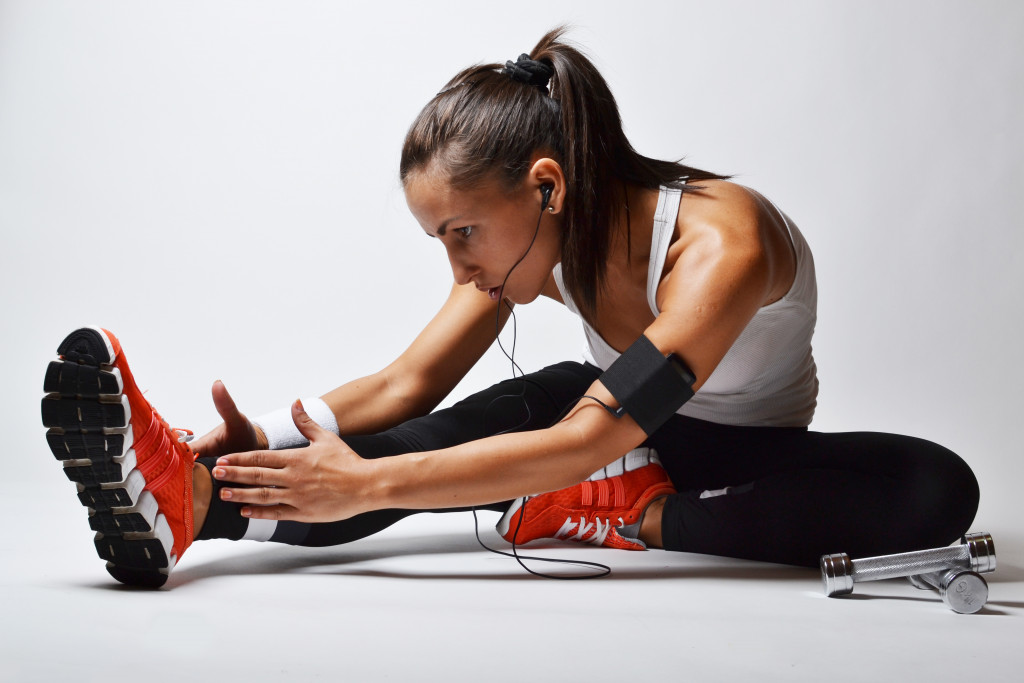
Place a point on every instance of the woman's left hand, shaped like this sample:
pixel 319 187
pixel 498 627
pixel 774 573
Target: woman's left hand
pixel 323 482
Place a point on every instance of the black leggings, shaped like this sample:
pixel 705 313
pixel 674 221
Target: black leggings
pixel 790 496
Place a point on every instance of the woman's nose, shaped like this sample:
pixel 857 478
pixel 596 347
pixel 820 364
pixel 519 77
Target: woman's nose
pixel 463 272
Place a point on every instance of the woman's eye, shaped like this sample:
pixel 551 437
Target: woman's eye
pixel 466 231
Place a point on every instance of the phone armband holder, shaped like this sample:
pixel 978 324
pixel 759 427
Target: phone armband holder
pixel 649 386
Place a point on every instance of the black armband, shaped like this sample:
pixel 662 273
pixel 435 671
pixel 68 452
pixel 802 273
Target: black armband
pixel 649 386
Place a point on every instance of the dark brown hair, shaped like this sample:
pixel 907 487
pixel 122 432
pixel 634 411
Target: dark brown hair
pixel 483 124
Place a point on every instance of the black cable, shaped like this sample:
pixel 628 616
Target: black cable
pixel 603 570
pixel 497 335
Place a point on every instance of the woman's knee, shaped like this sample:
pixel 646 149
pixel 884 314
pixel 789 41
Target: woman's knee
pixel 944 490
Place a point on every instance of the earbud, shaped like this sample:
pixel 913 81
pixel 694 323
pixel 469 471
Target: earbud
pixel 545 193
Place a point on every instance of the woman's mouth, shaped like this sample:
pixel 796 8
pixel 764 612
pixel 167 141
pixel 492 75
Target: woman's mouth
pixel 493 292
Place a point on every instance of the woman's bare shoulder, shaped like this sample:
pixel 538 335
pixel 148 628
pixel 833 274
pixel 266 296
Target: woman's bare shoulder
pixel 723 212
pixel 722 203
pixel 726 218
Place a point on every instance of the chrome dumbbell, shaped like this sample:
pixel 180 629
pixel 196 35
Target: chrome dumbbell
pixel 961 589
pixel 976 552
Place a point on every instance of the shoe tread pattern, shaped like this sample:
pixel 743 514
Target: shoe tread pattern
pixel 137 554
pixel 72 378
pixel 84 445
pixel 83 415
pixel 104 500
pixel 111 524
pixel 84 401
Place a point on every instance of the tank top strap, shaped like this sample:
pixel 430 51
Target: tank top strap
pixel 661 237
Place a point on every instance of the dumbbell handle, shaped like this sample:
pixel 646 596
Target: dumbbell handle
pixel 906 564
pixel 839 572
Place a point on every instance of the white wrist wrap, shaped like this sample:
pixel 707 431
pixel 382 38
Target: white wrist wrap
pixel 280 429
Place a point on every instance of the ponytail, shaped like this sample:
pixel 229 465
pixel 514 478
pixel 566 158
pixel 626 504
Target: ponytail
pixel 485 122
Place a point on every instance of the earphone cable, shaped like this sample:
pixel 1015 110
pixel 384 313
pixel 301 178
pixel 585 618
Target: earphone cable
pixel 603 570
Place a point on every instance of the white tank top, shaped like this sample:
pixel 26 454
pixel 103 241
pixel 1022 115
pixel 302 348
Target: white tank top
pixel 768 377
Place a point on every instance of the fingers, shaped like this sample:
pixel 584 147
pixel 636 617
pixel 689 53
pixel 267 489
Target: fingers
pixel 262 472
pixel 225 405
pixel 256 468
pixel 306 425
pixel 274 459
pixel 263 502
pixel 277 512
pixel 204 446
pixel 259 495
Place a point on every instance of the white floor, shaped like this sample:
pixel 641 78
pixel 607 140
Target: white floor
pixel 422 601
pixel 217 182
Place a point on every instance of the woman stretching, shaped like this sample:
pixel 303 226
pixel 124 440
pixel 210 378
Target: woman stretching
pixel 685 428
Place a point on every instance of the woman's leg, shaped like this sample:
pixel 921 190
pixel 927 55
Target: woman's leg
pixel 531 402
pixel 790 495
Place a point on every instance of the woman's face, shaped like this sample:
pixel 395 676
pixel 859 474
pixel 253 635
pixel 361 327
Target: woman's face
pixel 485 230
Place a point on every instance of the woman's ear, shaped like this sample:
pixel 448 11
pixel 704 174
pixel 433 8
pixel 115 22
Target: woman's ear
pixel 547 177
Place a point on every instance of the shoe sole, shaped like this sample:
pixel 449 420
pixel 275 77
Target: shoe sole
pixel 90 432
pixel 503 524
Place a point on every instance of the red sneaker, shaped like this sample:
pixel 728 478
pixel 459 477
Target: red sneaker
pixel 133 472
pixel 595 510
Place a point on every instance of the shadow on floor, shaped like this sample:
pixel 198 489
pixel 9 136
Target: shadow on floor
pixel 348 560
pixel 345 560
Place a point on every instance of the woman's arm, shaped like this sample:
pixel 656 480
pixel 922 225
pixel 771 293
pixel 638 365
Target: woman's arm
pixel 411 386
pixel 327 481
pixel 723 269
pixel 440 356
pixel 720 278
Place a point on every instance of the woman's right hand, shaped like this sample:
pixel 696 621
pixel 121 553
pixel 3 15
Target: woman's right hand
pixel 235 435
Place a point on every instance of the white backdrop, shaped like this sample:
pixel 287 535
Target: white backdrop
pixel 216 182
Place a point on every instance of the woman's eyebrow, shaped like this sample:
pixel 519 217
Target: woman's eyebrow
pixel 443 228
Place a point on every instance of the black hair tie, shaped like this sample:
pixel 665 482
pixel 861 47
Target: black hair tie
pixel 529 71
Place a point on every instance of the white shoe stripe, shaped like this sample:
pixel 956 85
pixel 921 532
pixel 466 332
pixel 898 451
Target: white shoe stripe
pixel 634 460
